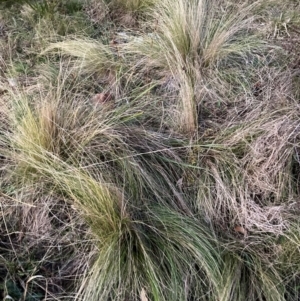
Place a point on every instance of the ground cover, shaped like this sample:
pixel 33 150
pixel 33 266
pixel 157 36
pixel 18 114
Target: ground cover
pixel 149 150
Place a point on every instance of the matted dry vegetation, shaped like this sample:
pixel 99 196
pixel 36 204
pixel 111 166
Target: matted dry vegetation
pixel 149 150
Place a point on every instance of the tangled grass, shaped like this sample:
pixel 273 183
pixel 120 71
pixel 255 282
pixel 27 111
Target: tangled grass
pixel 149 150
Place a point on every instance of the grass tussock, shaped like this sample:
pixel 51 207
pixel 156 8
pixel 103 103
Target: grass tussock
pixel 96 57
pixel 202 51
pixel 149 150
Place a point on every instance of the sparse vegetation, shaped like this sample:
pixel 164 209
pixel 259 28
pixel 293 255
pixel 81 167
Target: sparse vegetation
pixel 149 150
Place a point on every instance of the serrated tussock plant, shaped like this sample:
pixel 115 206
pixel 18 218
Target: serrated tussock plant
pixel 200 49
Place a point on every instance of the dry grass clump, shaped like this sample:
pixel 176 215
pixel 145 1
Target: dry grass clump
pixel 95 56
pixel 249 172
pixel 201 50
pixel 251 166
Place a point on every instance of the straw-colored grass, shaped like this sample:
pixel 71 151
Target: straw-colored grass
pixel 149 150
pixel 205 51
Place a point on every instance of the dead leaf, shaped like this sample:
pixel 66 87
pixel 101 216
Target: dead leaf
pixel 241 230
pixel 101 98
pixel 143 295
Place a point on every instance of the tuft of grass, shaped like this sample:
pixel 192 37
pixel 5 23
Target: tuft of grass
pixel 200 48
pixel 240 268
pixel 95 56
pixel 150 249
